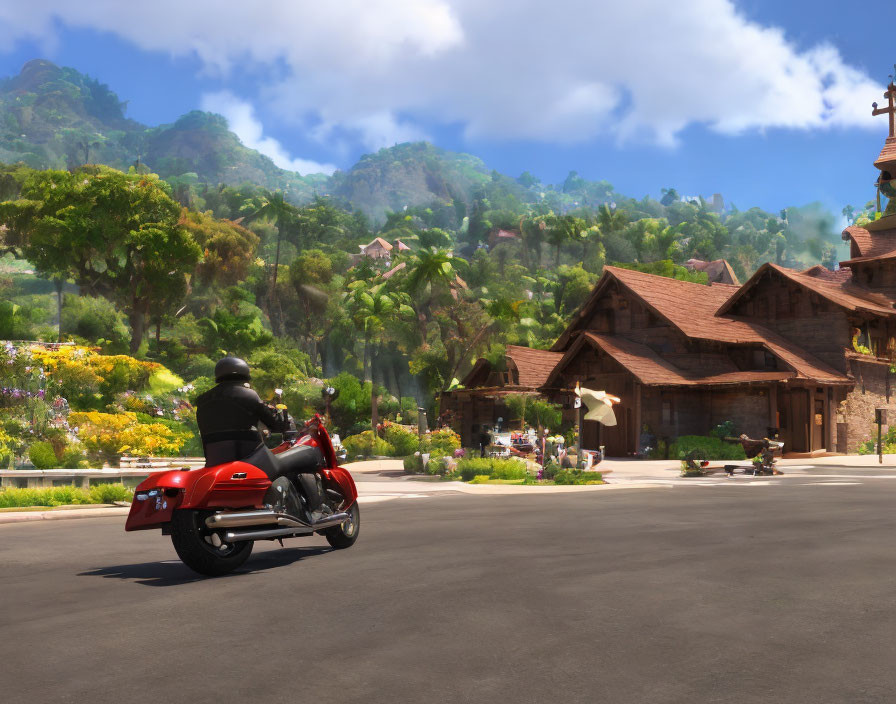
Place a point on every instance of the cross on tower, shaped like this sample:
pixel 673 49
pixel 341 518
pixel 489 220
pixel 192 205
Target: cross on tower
pixel 890 95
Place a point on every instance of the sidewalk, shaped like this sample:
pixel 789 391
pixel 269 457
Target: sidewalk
pixel 626 470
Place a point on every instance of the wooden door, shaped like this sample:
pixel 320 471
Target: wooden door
pixel 799 414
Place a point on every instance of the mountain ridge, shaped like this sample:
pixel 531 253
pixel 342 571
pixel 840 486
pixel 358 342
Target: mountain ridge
pixel 57 117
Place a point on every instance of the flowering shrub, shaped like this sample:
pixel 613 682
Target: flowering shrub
pixel 78 373
pixel 110 435
pixel 7 447
pixel 441 442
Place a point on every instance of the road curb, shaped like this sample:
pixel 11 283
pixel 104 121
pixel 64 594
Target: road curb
pixel 68 514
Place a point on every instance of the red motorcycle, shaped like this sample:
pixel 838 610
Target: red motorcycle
pixel 215 514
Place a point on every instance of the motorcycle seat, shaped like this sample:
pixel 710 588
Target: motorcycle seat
pixel 301 459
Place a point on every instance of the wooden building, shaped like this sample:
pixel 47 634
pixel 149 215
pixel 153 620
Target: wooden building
pixel 680 368
pixel 481 400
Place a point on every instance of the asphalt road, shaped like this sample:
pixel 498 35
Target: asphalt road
pixel 750 593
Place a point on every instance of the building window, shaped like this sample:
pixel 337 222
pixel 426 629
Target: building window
pixel 667 412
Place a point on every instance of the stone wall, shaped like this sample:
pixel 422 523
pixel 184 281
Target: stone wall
pixel 870 392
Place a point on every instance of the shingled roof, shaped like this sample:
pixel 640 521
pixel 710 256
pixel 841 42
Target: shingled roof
pixel 533 366
pixel 822 272
pixel 692 308
pixel 887 154
pixel 380 241
pixel 877 239
pixel 681 303
pixel 652 370
pixel 842 293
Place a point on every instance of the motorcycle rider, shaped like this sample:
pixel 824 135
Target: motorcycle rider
pixel 228 414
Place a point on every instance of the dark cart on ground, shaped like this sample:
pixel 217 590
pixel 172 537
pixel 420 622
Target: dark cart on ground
pixel 764 453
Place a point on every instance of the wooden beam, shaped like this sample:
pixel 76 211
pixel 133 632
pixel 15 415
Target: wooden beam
pixel 637 394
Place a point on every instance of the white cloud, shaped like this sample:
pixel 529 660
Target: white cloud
pixel 519 69
pixel 241 119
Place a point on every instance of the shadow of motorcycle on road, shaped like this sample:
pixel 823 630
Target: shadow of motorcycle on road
pixel 171 573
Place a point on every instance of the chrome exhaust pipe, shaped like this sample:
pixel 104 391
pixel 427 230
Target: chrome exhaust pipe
pixel 291 527
pixel 242 518
pixel 330 521
pixel 243 535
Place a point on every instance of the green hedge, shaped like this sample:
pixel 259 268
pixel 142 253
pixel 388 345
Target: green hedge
pixel 714 448
pixel 577 476
pixel 491 467
pixel 413 464
pixel 367 444
pixel 64 496
pixel 42 455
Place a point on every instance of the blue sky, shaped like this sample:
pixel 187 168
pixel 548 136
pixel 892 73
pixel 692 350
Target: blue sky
pixel 765 102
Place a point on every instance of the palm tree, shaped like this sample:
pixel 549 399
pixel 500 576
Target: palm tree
pixel 532 231
pixel 373 312
pixel 585 236
pixel 273 207
pixel 610 219
pixel 566 228
pixel 431 273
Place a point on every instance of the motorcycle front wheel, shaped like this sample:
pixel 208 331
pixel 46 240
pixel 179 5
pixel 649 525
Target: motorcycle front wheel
pixel 193 544
pixel 346 533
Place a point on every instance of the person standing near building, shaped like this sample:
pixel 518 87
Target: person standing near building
pixel 485 439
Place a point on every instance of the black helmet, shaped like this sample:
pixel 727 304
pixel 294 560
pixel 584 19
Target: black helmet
pixel 231 369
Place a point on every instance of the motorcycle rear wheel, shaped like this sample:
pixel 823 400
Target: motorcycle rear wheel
pixel 188 535
pixel 345 534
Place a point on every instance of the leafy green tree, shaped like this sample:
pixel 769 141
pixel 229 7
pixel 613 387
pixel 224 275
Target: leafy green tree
pixel 670 196
pixel 536 412
pixel 573 286
pixel 317 291
pixel 116 235
pixel 227 332
pixel 228 248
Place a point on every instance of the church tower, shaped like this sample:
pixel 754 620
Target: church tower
pixel 886 162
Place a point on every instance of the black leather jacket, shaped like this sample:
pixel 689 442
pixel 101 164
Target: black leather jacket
pixel 228 416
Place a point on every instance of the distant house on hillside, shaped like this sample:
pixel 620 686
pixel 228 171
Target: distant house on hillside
pixel 718 270
pixel 499 236
pixel 381 249
pixel 377 249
